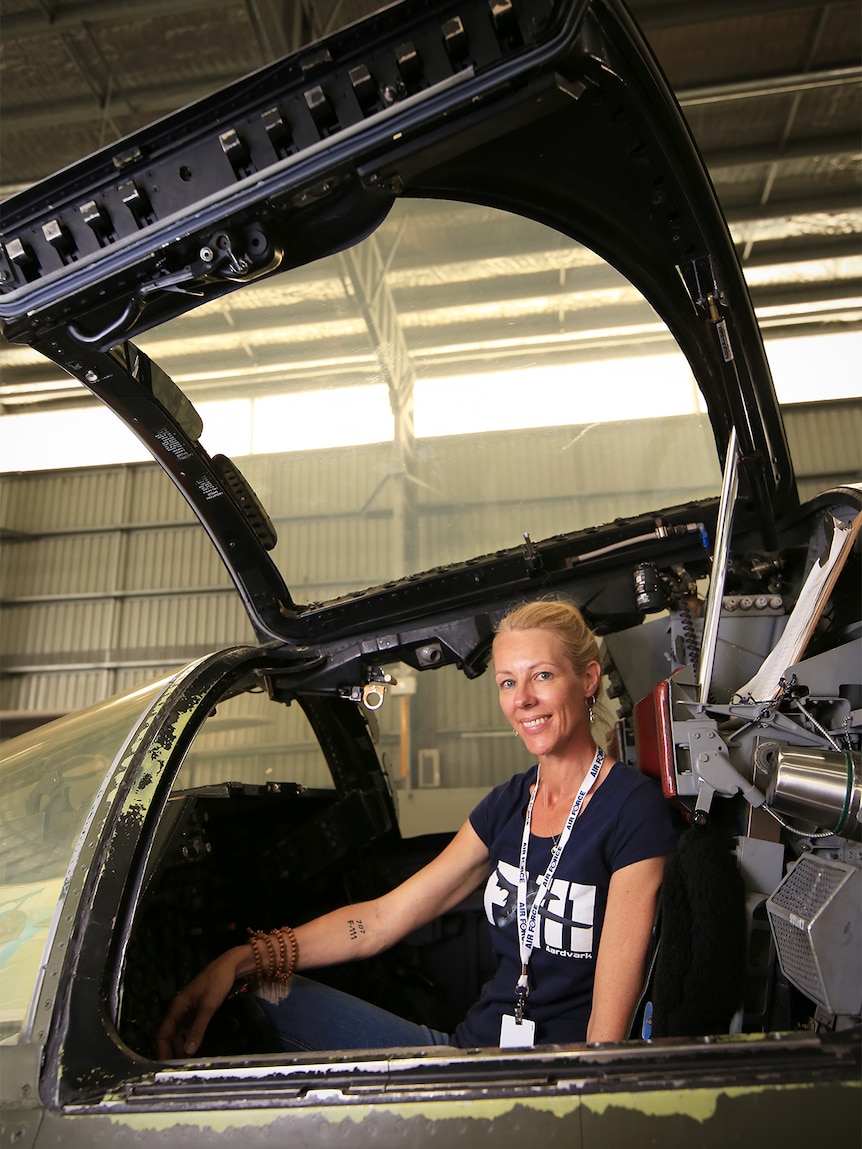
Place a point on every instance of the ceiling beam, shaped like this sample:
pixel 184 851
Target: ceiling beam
pixel 160 98
pixel 811 205
pixel 677 13
pixel 819 147
pixel 793 310
pixel 787 252
pixel 137 102
pixel 30 24
pixel 823 147
pixel 666 14
pixel 769 86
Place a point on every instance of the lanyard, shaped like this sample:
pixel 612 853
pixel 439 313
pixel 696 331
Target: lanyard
pixel 527 922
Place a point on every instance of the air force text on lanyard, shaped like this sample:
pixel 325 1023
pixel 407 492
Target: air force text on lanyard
pixel 517 1031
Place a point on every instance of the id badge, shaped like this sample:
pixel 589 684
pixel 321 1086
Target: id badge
pixel 515 1036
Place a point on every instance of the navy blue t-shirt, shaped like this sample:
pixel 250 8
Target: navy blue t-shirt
pixel 626 820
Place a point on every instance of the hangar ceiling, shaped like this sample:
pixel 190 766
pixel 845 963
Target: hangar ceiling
pixel 771 89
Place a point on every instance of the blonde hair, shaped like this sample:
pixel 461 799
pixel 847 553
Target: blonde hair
pixel 563 619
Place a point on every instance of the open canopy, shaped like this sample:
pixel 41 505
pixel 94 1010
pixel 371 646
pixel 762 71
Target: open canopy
pixel 322 168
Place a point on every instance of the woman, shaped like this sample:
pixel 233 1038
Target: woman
pixel 572 853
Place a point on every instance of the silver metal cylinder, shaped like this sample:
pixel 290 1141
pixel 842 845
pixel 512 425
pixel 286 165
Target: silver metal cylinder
pixel 817 787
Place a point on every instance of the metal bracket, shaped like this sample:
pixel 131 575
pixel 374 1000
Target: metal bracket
pixel 372 693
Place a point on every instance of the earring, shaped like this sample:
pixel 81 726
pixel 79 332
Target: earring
pixel 591 701
pixel 515 732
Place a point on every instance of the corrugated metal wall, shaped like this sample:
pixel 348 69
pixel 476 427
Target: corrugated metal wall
pixel 107 581
pixel 335 510
pixel 251 740
pixel 333 513
pixel 825 444
pixel 484 489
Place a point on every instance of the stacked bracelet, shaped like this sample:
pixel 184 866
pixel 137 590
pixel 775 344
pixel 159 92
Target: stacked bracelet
pixel 274 961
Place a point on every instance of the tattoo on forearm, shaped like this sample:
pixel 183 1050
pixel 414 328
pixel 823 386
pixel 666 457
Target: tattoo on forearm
pixel 355 927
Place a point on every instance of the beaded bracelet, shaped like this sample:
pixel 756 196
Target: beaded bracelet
pixel 273 981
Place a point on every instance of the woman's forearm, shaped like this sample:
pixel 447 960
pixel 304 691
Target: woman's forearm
pixel 346 934
pixel 367 928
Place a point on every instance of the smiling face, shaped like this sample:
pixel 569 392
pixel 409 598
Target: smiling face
pixel 541 694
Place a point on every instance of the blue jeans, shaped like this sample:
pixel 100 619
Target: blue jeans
pixel 316 1016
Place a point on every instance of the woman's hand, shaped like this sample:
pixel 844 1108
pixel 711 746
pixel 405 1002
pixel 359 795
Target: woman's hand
pixel 346 934
pixel 185 1023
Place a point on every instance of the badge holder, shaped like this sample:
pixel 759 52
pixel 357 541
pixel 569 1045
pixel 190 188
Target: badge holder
pixel 516 1034
pixel 517 1031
